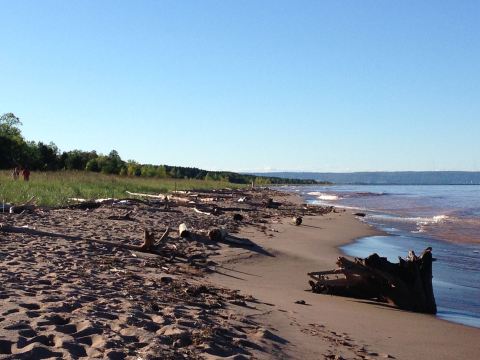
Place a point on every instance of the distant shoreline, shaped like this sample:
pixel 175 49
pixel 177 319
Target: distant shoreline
pixel 415 178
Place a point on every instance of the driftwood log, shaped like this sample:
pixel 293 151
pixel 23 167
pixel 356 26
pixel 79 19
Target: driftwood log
pixel 297 220
pixel 237 217
pixel 28 206
pixel 270 204
pixel 148 240
pixel 197 210
pixel 183 231
pixel 148 245
pixel 152 196
pixel 407 284
pixel 222 235
pixel 163 237
pixel 217 234
pixel 125 216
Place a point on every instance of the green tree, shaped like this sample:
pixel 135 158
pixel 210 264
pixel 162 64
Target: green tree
pixel 133 168
pixel 47 156
pixel 12 145
pixel 161 172
pixel 77 159
pixel 92 165
pixel 9 125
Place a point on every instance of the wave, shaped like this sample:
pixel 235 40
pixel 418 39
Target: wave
pixel 324 196
pixel 364 194
pixel 325 203
pixel 345 195
pixel 416 220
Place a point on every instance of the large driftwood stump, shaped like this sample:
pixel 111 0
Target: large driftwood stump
pixel 407 284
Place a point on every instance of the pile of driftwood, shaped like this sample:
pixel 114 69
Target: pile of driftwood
pixel 407 284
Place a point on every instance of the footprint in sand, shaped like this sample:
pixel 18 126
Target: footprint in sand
pixel 27 333
pixel 33 314
pixel 75 350
pixel 86 328
pixel 5 347
pixel 10 311
pixel 22 325
pixel 35 351
pixel 57 320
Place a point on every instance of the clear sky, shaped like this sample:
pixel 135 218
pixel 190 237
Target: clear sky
pixel 249 85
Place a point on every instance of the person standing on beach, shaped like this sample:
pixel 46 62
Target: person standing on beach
pixel 15 173
pixel 26 174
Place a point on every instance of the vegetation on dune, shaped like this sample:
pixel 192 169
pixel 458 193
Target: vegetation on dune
pixel 16 151
pixel 56 188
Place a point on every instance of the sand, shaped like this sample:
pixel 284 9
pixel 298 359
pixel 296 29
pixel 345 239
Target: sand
pixel 72 287
pixel 69 288
pixel 331 327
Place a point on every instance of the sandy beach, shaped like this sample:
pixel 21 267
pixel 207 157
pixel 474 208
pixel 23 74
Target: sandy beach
pixel 327 326
pixel 76 281
pixel 75 284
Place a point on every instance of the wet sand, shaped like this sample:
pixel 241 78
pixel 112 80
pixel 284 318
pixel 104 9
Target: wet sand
pixel 331 327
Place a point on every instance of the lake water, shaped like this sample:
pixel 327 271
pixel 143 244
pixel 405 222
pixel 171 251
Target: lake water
pixel 447 218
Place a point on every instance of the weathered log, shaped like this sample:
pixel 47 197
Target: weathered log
pixel 163 237
pixel 18 209
pixel 237 217
pixel 28 206
pixel 270 204
pixel 5 207
pixel 125 217
pixel 146 247
pixel 179 199
pixel 201 212
pixel 34 232
pixel 167 203
pixel 207 200
pixel 183 231
pixel 87 205
pixel 217 234
pixel 152 196
pixel 427 275
pixel 407 284
pixel 222 235
pixel 149 239
pixel 297 220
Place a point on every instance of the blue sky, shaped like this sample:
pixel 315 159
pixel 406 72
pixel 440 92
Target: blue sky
pixel 249 85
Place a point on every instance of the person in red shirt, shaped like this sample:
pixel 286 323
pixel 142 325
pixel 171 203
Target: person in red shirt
pixel 26 174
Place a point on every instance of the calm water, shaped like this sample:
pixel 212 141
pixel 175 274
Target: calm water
pixel 447 218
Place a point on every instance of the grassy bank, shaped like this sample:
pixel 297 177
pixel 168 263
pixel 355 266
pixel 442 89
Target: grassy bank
pixel 55 188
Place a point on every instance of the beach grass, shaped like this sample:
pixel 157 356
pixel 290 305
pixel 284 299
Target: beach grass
pixel 56 188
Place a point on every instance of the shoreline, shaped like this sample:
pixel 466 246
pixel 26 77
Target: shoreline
pixel 447 235
pixel 328 326
pixel 78 282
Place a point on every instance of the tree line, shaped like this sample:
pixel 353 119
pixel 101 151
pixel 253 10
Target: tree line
pixel 16 151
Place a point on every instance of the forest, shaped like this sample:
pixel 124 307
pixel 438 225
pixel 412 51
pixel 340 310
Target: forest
pixel 16 151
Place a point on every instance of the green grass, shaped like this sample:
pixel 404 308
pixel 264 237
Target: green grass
pixel 55 188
